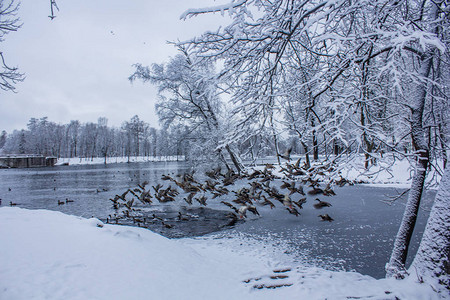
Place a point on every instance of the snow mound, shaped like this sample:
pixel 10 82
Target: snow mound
pixel 47 254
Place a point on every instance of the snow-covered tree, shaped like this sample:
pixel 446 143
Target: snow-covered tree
pixel 88 140
pixel 3 137
pixel 134 132
pixel 363 74
pixel 189 98
pixel 433 256
pixel 423 46
pixel 72 133
pixel 105 138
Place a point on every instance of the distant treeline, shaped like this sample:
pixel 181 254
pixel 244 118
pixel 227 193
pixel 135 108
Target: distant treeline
pixel 75 139
pixel 137 138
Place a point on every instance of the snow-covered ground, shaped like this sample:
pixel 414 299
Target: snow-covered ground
pixel 112 160
pixel 50 255
pixel 387 173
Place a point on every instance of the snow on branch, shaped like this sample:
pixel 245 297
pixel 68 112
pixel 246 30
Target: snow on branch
pixel 219 8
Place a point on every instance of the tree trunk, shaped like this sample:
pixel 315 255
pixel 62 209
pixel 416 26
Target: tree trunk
pixel 234 159
pixel 222 158
pixel 433 257
pixel 443 143
pixel 275 141
pixel 396 266
pixel 335 148
pixel 308 161
pixel 315 146
pixel 314 142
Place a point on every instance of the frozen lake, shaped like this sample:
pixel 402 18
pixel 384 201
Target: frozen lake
pixel 360 238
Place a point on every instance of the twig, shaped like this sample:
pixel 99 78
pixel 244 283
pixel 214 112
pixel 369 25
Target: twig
pixel 394 198
pixel 53 4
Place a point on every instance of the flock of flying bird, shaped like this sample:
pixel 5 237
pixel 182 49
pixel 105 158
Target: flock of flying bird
pixel 260 191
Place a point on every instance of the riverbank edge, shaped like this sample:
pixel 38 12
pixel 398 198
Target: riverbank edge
pixel 103 261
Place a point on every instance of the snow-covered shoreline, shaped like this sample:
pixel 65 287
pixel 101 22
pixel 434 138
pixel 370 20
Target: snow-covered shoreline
pixel 50 255
pixel 77 161
pixel 385 174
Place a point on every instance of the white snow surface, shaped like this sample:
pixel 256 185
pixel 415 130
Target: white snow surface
pixel 111 160
pixel 387 173
pixel 50 255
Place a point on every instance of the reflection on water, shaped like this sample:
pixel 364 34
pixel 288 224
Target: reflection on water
pixel 360 238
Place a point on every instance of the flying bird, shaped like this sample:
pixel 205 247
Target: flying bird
pixel 300 202
pixel 287 201
pixel 326 217
pixel 287 154
pixel 230 206
pixel 321 204
pixel 293 211
pixel 266 202
pixel 242 211
pixel 202 200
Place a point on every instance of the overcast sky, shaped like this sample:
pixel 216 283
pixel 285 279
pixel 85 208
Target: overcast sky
pixel 77 65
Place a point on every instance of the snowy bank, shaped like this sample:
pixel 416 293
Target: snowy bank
pixel 113 160
pixel 47 254
pixel 387 173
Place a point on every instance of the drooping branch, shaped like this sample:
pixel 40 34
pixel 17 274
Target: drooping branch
pixel 9 76
pixel 220 8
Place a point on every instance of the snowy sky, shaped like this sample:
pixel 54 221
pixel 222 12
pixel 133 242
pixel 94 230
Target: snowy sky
pixel 77 65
